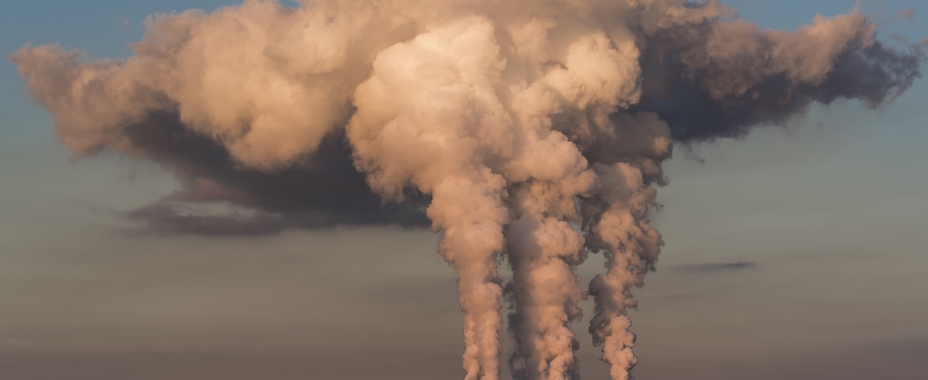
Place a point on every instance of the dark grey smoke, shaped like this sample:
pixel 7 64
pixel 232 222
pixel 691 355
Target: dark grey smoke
pixel 705 96
pixel 323 193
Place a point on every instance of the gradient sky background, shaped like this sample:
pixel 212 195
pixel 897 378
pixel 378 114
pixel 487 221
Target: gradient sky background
pixel 796 253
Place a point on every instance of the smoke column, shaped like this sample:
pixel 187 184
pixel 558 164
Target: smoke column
pixel 533 131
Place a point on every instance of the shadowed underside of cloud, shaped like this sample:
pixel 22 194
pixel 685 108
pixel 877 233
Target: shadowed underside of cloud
pixel 323 193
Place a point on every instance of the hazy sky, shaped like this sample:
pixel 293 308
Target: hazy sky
pixel 796 253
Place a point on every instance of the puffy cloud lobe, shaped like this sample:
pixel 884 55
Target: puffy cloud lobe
pixel 266 80
pixel 504 125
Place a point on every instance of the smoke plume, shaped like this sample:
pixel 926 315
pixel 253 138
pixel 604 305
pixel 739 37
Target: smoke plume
pixel 534 129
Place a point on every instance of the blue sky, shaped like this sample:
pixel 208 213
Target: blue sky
pixel 827 216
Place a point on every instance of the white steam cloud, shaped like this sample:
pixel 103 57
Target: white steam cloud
pixel 533 129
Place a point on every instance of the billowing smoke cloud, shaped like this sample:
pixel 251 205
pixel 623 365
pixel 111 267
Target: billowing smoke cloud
pixel 530 129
